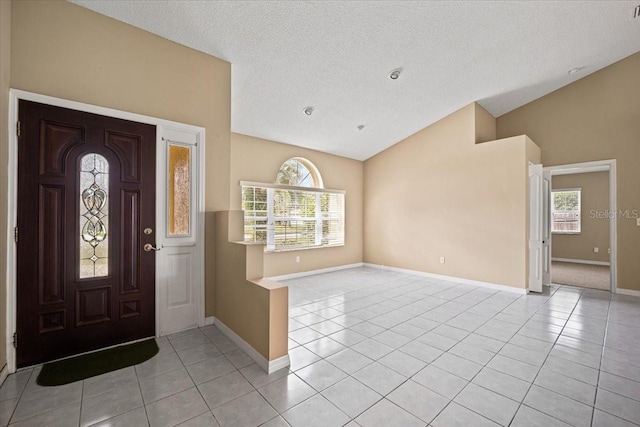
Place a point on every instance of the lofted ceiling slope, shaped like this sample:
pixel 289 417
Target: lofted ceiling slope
pixel 337 55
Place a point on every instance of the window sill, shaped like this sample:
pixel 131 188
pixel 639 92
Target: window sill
pixel 566 232
pixel 275 251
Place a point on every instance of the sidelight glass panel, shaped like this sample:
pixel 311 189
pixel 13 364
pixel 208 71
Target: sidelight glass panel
pixel 94 216
pixel 179 190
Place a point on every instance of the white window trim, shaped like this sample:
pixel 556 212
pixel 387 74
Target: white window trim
pixel 289 187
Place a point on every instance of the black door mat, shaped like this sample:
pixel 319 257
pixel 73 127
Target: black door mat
pixel 100 362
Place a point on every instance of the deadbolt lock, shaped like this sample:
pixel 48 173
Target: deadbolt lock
pixel 147 231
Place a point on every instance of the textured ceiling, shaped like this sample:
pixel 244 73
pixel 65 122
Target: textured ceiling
pixel 337 56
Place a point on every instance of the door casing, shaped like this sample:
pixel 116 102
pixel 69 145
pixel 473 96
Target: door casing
pixel 536 221
pixel 600 166
pixel 546 227
pixel 161 125
pixel 174 315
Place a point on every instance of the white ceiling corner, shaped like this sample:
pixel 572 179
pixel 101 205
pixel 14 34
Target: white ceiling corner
pixel 336 56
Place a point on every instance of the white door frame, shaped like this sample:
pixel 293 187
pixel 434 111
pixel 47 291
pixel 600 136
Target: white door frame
pixel 12 174
pixel 546 228
pixel 536 211
pixel 600 166
pixel 191 244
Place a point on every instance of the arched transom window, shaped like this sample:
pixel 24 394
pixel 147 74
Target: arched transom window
pixel 299 172
pixel 294 213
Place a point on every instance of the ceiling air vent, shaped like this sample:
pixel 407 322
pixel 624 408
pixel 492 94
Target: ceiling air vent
pixel 636 12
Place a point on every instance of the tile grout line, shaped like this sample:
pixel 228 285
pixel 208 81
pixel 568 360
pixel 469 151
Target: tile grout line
pixel 574 305
pixel 545 360
pixel 452 400
pixel 485 365
pixel 444 323
pixel 530 318
pixel 81 404
pixel 15 408
pixel 383 397
pixel 604 343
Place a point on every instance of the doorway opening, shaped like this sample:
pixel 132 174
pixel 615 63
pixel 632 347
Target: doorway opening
pixel 583 222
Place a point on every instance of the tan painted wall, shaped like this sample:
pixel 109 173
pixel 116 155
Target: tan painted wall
pixel 594 229
pixel 70 52
pixel 594 118
pixel 485 125
pixel 437 193
pixel 256 309
pixel 5 63
pixel 254 159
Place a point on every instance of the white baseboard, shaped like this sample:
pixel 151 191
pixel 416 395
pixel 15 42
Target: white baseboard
pixel 4 373
pixel 279 363
pixel 629 292
pixel 495 286
pixel 269 366
pixel 314 272
pixel 209 321
pixel 580 261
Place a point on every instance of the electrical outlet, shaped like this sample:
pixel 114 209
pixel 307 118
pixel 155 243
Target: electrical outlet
pixel 441 260
pixel 596 250
pixel 609 250
pixel 297 259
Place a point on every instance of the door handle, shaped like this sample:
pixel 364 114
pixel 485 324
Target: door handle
pixel 149 247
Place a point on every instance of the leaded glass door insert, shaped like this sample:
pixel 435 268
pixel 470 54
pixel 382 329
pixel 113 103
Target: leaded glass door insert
pixel 94 216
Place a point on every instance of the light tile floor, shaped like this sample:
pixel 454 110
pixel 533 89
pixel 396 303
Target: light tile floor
pixel 383 349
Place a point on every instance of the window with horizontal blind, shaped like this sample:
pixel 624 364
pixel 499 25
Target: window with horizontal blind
pixel 289 217
pixel 565 211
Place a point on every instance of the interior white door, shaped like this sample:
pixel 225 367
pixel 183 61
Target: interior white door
pixel 546 228
pixel 535 227
pixel 179 262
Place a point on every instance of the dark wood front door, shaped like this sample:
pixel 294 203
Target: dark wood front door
pixel 86 193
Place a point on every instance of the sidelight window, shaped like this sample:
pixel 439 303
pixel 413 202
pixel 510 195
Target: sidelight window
pixel 94 216
pixel 179 190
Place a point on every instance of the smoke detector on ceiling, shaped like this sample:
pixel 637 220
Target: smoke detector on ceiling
pixel 575 70
pixel 393 75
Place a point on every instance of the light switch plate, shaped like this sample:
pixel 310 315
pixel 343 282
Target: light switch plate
pixel 638 222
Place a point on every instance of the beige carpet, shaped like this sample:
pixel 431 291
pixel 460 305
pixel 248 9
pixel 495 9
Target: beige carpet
pixel 584 275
